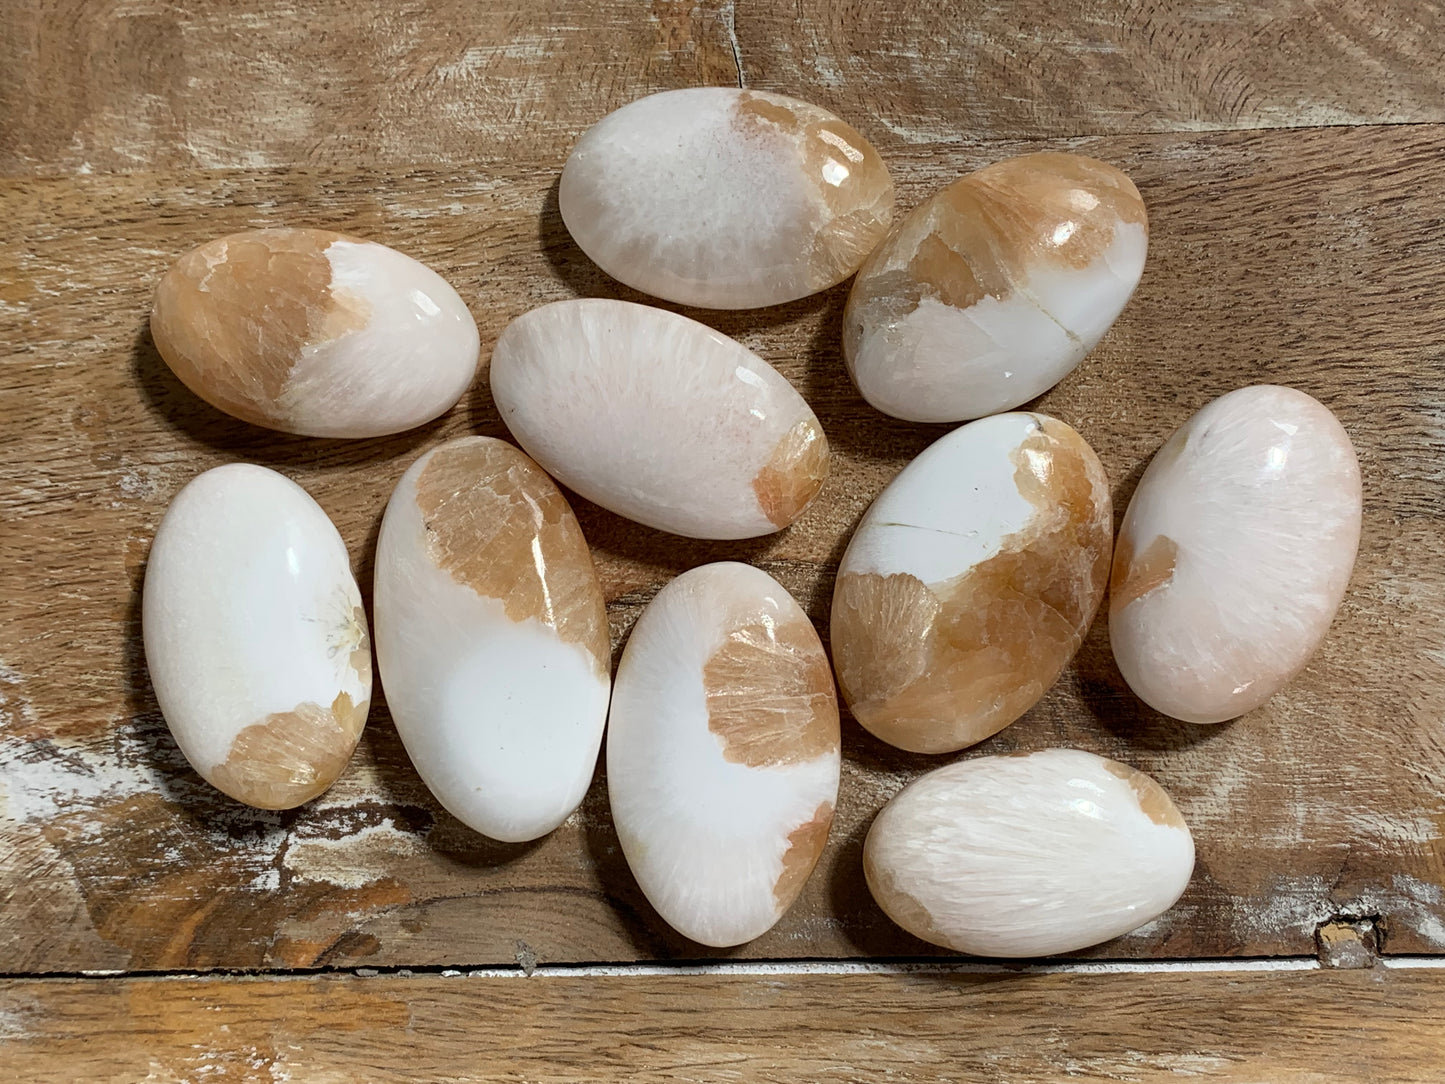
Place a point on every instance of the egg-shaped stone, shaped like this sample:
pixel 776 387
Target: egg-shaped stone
pixel 723 752
pixel 971 581
pixel 992 291
pixel 255 636
pixel 1028 855
pixel 314 332
pixel 1234 554
pixel 725 198
pixel 658 418
pixel 492 638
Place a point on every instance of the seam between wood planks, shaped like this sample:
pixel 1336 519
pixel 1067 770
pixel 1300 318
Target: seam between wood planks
pixel 755 969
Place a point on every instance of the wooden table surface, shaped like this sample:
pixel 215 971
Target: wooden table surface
pixel 1290 153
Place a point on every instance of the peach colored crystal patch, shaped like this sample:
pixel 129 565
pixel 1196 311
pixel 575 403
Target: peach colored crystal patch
pixel 359 659
pixel 936 669
pixel 232 317
pixel 981 235
pixel 767 110
pixel 292 756
pixel 1154 802
pixel 860 206
pixel 793 474
pixel 805 846
pixel 848 175
pixel 1026 200
pixel 770 695
pixel 498 524
pixel 902 907
pixel 1136 576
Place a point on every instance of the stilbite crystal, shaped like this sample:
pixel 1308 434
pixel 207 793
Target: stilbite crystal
pixel 255 637
pixel 723 752
pixel 314 332
pixel 491 634
pixel 1028 855
pixel 1234 554
pixel 993 290
pixel 725 198
pixel 659 418
pixel 971 582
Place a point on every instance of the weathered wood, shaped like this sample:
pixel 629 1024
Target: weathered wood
pixel 1299 1027
pixel 148 84
pixel 1306 257
pixel 1029 68
pixel 100 84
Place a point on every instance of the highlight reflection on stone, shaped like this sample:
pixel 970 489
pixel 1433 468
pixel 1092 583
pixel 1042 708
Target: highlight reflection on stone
pixel 725 198
pixel 971 581
pixel 491 633
pixel 255 637
pixel 1028 855
pixel 314 332
pixel 659 418
pixel 993 290
pixel 723 752
pixel 1234 554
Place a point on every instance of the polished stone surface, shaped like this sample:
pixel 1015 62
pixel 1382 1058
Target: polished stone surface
pixel 492 638
pixel 994 289
pixel 725 198
pixel 1028 855
pixel 255 637
pixel 659 418
pixel 1234 554
pixel 723 752
pixel 971 581
pixel 314 332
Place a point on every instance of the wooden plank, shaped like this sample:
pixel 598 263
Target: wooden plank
pixel 1029 68
pixel 146 84
pixel 1366 1027
pixel 1306 257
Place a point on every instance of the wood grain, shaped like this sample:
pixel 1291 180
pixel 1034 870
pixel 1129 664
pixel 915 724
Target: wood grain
pixel 1031 68
pixel 1365 1027
pixel 152 84
pixel 1305 257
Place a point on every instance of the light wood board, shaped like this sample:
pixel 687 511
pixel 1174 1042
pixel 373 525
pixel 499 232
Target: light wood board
pixel 136 84
pixel 1299 1027
pixel 1305 257
pixel 1289 154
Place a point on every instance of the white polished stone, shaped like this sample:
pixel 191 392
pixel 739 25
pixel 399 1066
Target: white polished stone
pixel 314 332
pixel 725 198
pixel 994 289
pixel 723 752
pixel 1234 554
pixel 1029 855
pixel 971 582
pixel 255 637
pixel 659 418
pixel 492 638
